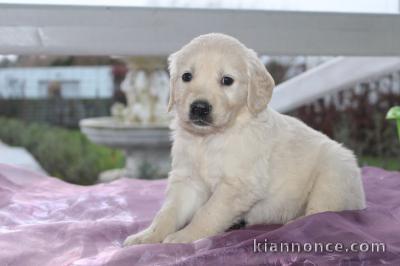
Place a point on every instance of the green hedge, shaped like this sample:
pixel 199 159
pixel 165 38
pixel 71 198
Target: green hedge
pixel 66 154
pixel 387 163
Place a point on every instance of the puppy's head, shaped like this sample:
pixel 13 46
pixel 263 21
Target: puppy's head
pixel 214 79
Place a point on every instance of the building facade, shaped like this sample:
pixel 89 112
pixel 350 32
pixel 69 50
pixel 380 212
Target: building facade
pixel 67 82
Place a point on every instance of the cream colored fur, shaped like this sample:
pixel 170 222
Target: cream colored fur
pixel 251 162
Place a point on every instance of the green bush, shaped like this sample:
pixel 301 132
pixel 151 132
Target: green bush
pixel 386 163
pixel 66 154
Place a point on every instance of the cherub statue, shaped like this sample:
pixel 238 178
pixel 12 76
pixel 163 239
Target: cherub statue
pixel 146 90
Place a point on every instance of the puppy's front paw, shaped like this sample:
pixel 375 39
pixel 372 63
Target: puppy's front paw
pixel 146 236
pixel 181 236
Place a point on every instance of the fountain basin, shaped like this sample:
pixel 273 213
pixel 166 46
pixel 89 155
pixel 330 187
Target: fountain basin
pixel 144 145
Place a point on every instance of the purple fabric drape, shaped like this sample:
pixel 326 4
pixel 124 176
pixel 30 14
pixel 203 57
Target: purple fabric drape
pixel 45 221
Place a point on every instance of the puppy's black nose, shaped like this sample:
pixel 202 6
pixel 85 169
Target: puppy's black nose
pixel 200 109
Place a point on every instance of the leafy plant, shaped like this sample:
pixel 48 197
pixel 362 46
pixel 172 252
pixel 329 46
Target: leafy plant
pixel 394 113
pixel 66 154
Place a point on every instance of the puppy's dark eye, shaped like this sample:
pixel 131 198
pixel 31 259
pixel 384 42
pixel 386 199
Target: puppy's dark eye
pixel 227 81
pixel 186 77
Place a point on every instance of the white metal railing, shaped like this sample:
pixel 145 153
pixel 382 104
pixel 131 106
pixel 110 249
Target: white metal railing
pixel 73 30
pixel 41 29
pixel 335 75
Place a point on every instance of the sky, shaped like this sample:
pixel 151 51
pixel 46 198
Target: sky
pixel 364 6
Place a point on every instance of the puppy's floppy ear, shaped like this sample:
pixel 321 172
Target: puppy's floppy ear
pixel 260 83
pixel 172 80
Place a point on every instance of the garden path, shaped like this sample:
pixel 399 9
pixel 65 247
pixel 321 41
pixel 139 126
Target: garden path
pixel 19 156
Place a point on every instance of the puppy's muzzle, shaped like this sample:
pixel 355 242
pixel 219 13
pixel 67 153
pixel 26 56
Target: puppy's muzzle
pixel 200 113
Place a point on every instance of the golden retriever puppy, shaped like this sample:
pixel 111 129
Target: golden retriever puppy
pixel 235 158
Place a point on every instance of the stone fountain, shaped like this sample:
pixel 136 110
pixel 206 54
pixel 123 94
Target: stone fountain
pixel 141 127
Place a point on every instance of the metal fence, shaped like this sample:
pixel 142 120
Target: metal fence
pixel 55 111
